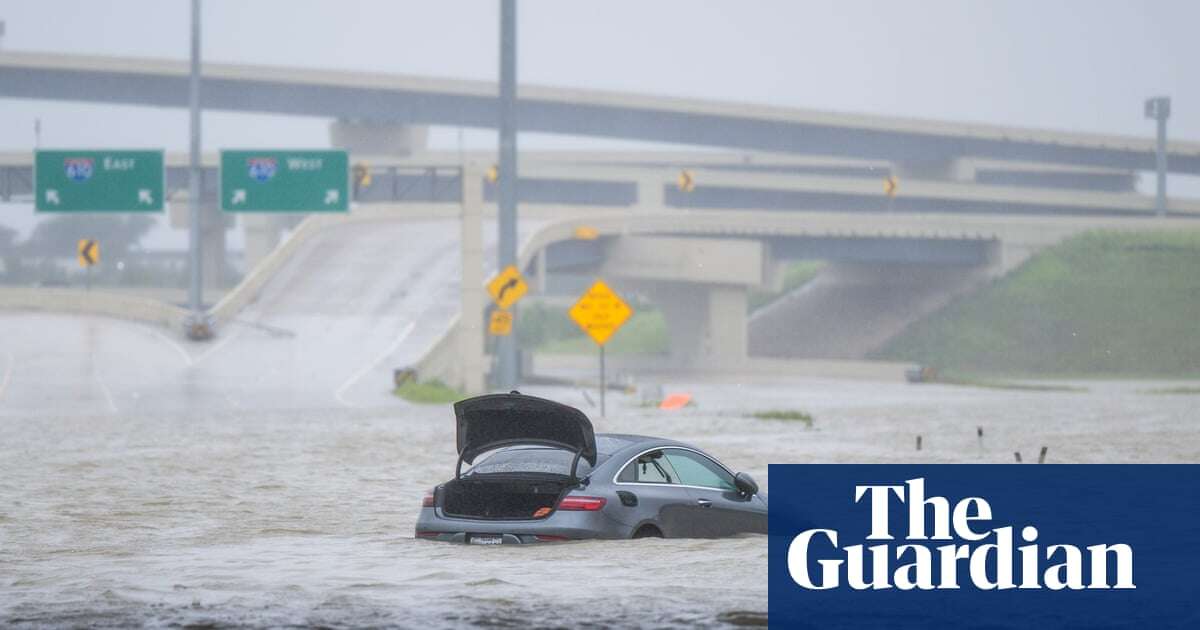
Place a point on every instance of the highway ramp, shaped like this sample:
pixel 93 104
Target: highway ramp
pixel 355 300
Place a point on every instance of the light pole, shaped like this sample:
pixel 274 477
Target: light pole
pixel 1159 108
pixel 197 326
pixel 506 345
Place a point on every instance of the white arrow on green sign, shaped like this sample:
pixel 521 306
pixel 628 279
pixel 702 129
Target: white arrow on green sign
pixel 98 180
pixel 285 181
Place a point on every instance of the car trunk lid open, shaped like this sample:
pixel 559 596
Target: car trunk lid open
pixel 492 421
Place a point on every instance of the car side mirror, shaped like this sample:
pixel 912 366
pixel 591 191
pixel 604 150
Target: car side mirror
pixel 745 484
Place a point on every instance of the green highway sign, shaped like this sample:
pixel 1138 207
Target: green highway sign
pixel 96 180
pixel 285 181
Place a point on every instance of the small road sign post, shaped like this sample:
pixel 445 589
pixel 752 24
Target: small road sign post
pixel 88 253
pixel 98 180
pixel 285 181
pixel 506 289
pixel 600 312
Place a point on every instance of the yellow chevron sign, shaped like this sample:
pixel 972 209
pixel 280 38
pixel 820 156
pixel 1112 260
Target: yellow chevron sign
pixel 890 185
pixel 686 181
pixel 88 251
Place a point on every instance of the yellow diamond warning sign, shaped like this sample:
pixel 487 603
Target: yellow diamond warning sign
pixel 600 312
pixel 507 287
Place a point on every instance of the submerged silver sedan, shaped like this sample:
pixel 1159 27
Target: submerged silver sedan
pixel 544 475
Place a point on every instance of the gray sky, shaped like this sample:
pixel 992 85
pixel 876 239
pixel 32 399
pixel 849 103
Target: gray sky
pixel 1072 65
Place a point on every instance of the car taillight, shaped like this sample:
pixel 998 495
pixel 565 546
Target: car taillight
pixel 587 504
pixel 429 500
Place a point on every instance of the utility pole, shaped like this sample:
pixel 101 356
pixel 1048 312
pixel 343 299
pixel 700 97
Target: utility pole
pixel 1159 108
pixel 506 345
pixel 197 326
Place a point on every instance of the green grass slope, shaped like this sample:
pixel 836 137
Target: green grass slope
pixel 1100 304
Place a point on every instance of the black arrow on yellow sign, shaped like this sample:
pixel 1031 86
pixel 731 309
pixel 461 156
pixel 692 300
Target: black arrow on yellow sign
pixel 511 284
pixel 89 252
pixel 686 181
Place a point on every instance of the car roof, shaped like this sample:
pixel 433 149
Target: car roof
pixel 628 441
pixel 609 444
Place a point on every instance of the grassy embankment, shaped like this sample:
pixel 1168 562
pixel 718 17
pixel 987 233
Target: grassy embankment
pixel 428 393
pixel 1100 304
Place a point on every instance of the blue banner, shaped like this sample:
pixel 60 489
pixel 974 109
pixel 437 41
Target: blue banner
pixel 984 546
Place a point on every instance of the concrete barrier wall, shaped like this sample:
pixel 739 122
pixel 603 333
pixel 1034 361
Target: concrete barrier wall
pixel 142 309
pixel 440 361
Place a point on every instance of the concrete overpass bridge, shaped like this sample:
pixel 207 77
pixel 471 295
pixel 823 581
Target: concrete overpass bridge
pixel 696 264
pixel 884 271
pixel 369 104
pixel 887 267
pixel 976 199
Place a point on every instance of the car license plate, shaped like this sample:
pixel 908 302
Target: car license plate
pixel 486 540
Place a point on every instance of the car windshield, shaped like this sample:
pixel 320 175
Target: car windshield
pixel 531 460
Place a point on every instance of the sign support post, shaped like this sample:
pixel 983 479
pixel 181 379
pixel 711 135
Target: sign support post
pixel 1159 108
pixel 197 328
pixel 603 384
pixel 600 312
pixel 507 368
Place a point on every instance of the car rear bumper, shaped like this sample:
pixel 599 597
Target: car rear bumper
pixel 504 539
pixel 559 526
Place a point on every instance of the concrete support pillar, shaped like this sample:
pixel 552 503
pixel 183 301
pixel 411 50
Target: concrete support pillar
pixel 727 322
pixel 706 324
pixel 470 323
pixel 262 235
pixel 212 248
pixel 365 137
pixel 650 192
pixel 685 311
pixel 541 271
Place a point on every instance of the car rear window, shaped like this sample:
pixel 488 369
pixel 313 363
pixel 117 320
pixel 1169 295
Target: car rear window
pixel 531 460
pixel 607 445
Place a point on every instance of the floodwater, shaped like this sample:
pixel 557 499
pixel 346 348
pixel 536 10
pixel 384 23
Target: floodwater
pixel 268 478
pixel 305 517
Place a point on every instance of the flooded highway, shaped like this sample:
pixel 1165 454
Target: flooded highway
pixel 240 242
pixel 167 510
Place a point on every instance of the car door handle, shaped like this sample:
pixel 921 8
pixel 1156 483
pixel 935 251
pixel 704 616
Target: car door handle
pixel 703 502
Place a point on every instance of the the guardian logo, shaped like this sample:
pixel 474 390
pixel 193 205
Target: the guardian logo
pixel 974 554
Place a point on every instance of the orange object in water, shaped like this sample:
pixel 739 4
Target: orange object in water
pixel 675 401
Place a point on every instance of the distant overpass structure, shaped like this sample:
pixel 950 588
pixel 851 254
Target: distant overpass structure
pixel 788 184
pixel 722 182
pixel 918 148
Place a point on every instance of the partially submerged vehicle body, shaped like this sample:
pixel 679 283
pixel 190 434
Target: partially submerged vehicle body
pixel 544 475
